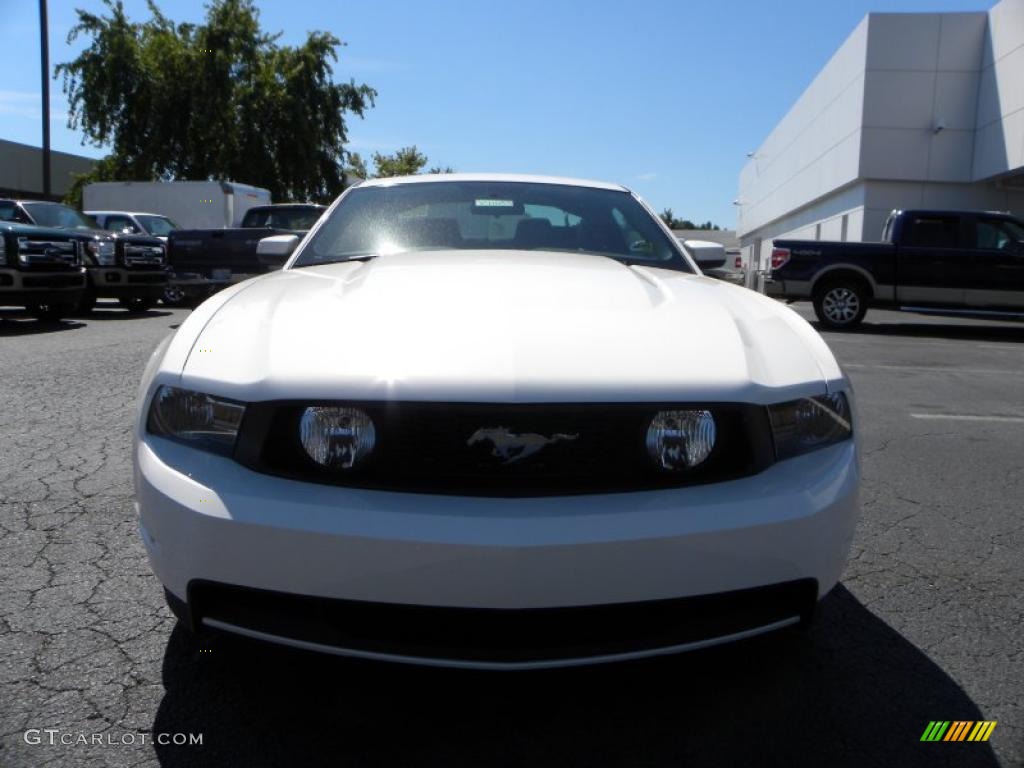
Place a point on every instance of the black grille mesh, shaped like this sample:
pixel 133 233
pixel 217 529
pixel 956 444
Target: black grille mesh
pixel 425 448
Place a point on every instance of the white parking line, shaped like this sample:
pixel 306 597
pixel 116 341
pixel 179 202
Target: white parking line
pixel 932 369
pixel 1004 346
pixel 968 417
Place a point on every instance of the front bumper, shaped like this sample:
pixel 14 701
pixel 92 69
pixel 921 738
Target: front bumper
pixel 20 288
pixel 121 283
pixel 207 520
pixel 787 289
pixel 195 284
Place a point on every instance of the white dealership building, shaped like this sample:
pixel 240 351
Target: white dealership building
pixel 915 110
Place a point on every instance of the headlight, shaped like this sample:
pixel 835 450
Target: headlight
pixel 678 440
pixel 201 420
pixel 809 423
pixel 336 438
pixel 104 251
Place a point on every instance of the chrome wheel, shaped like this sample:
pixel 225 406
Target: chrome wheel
pixel 840 305
pixel 173 295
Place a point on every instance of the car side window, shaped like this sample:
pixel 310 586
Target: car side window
pixel 121 224
pixel 934 232
pixel 997 235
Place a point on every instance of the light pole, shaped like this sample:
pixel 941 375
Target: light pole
pixel 44 55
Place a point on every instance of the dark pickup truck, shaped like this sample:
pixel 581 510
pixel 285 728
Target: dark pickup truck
pixel 129 268
pixel 205 260
pixel 40 269
pixel 940 262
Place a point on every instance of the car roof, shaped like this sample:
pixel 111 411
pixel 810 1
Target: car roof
pixel 434 178
pixel 123 213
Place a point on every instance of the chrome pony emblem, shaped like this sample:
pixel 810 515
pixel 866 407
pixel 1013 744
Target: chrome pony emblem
pixel 510 447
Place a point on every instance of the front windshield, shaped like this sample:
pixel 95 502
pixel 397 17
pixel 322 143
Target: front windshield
pixel 491 215
pixel 158 226
pixel 57 215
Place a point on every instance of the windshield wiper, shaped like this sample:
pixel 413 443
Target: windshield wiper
pixel 354 256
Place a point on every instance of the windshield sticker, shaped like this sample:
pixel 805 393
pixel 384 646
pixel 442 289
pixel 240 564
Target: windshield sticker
pixel 491 203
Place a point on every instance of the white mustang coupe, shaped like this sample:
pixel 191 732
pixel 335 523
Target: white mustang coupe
pixel 493 421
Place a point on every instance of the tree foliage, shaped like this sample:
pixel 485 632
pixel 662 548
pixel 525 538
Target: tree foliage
pixel 217 100
pixel 673 223
pixel 407 161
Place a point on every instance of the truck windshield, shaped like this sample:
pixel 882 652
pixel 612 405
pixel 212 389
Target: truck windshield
pixel 57 215
pixel 462 215
pixel 158 226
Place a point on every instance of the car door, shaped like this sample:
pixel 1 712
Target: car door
pixel 932 261
pixel 997 279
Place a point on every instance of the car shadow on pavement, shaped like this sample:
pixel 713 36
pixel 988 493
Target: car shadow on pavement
pixel 1002 332
pixel 26 325
pixel 852 691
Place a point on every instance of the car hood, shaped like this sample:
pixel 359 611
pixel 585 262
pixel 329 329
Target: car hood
pixel 501 326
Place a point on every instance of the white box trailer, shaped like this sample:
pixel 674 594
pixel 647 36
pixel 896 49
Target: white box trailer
pixel 189 204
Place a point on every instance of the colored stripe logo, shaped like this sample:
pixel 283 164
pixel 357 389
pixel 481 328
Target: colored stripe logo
pixel 958 730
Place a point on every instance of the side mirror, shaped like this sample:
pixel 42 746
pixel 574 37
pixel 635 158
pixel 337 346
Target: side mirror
pixel 707 255
pixel 274 251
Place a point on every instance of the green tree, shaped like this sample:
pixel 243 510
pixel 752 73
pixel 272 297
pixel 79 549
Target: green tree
pixel 407 161
pixel 214 100
pixel 673 223
pixel 357 166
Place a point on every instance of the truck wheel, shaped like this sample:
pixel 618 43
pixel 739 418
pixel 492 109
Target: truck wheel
pixel 136 304
pixel 51 313
pixel 841 304
pixel 174 296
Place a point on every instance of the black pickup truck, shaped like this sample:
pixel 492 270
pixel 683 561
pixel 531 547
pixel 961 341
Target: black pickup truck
pixel 129 268
pixel 41 270
pixel 205 260
pixel 940 262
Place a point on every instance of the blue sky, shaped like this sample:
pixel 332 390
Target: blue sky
pixel 665 97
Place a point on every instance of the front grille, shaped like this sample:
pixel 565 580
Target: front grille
pixel 143 256
pixel 40 253
pixel 496 635
pixel 424 448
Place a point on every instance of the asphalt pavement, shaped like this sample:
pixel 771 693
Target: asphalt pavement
pixel 926 624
